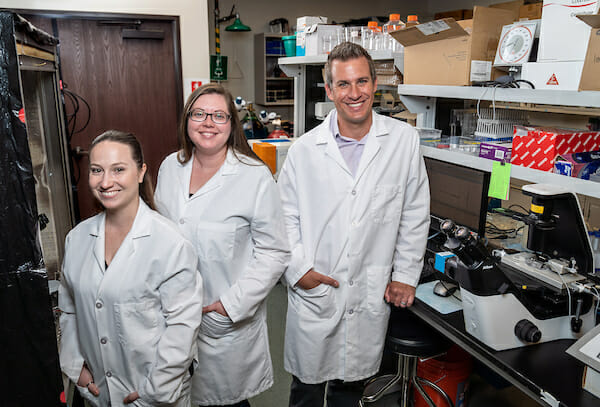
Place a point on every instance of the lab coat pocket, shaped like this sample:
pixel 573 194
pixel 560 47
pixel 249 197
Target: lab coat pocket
pixel 377 281
pixel 319 302
pixel 215 325
pixel 386 203
pixel 87 395
pixel 215 241
pixel 138 331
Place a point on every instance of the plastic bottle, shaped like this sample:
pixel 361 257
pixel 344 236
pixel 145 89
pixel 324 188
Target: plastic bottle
pixel 394 24
pixel 370 36
pixel 412 20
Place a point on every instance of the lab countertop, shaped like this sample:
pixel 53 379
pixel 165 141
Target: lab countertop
pixel 542 371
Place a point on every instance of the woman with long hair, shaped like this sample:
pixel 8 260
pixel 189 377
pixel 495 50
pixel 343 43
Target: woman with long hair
pixel 225 201
pixel 130 293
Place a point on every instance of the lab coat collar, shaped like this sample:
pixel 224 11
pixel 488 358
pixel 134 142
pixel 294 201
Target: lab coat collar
pixel 372 145
pixel 139 229
pixel 229 167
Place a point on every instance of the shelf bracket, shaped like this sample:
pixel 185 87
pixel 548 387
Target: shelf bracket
pixel 424 107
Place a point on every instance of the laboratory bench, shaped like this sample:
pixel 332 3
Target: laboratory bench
pixel 544 372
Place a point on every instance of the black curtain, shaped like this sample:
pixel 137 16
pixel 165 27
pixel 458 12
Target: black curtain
pixel 29 368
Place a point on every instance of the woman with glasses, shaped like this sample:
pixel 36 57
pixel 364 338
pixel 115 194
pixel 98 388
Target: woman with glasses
pixel 225 201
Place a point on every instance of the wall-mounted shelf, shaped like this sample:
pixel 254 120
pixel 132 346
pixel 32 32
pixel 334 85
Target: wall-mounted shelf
pixel 421 99
pixel 537 96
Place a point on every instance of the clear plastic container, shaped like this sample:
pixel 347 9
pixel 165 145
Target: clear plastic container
pixel 412 20
pixel 353 34
pixel 371 36
pixel 394 24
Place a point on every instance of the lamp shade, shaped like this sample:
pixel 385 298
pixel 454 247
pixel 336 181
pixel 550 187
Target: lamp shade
pixel 237 25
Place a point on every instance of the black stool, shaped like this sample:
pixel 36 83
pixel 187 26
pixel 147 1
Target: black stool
pixel 411 339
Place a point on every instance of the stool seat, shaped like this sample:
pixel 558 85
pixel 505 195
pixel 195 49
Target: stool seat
pixel 409 335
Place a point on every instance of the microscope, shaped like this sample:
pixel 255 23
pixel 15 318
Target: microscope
pixel 539 295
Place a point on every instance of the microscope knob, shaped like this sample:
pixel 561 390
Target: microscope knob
pixel 447 226
pixel 527 331
pixel 462 233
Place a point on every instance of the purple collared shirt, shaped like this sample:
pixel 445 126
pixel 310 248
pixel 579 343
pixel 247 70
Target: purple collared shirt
pixel 350 148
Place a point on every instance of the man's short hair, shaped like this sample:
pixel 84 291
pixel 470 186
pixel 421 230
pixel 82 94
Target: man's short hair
pixel 344 52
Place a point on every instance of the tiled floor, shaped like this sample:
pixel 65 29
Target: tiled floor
pixel 480 394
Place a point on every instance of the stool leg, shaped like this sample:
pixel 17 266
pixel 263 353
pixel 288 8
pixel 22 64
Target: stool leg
pixel 417 382
pixel 408 366
pixel 372 398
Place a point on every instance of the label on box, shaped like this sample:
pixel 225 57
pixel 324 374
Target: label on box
pixel 433 27
pixel 563 168
pixel 481 71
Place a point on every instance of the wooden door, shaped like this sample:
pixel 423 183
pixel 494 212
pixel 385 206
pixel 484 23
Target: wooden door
pixel 130 84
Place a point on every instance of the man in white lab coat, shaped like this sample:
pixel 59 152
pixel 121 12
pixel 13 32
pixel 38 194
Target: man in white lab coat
pixel 355 198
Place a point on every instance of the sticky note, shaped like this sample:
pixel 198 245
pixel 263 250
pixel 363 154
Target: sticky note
pixel 499 181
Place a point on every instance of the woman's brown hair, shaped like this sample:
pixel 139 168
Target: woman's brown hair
pixel 129 139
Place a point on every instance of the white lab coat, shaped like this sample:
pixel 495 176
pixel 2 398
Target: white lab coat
pixel 363 231
pixel 236 225
pixel 135 322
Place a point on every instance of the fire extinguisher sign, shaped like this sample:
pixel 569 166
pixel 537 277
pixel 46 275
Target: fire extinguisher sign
pixel 191 84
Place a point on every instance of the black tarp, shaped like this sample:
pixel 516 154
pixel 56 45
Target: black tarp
pixel 29 368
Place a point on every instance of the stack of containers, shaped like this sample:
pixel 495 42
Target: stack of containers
pixel 394 24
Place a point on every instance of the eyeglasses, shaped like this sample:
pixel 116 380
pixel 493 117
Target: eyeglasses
pixel 217 117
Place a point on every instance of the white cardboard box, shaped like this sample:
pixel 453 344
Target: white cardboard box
pixel 301 24
pixel 553 75
pixel 564 37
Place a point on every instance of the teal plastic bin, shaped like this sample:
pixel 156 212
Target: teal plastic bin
pixel 289 43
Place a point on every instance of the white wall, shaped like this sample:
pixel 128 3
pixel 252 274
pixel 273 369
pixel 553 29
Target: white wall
pixel 193 16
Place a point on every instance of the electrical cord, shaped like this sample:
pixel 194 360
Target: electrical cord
pixel 499 233
pixel 72 129
pixel 506 81
pixel 520 207
pixel 568 292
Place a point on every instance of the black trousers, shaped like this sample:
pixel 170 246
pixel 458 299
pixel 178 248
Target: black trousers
pixel 339 393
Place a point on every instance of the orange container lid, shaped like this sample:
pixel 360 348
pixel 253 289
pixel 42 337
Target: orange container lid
pixel 395 17
pixel 412 18
pixel 372 24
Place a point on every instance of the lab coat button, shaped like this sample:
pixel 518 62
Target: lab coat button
pixel 108 374
pixel 103 341
pixel 354 192
pixel 351 312
pixel 351 282
pixel 182 221
pixel 98 305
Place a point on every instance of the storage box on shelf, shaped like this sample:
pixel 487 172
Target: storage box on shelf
pixel 537 147
pixel 446 52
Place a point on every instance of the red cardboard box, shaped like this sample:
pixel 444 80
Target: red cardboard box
pixel 537 147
